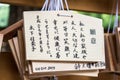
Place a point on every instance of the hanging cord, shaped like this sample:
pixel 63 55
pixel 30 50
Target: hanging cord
pixel 45 5
pixel 50 6
pixel 55 5
pixel 111 16
pixel 66 5
pixel 61 5
pixel 116 17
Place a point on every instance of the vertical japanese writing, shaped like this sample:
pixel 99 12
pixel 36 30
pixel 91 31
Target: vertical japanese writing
pixel 32 38
pixel 40 34
pixel 56 39
pixel 66 43
pixel 83 41
pixel 74 39
pixel 47 36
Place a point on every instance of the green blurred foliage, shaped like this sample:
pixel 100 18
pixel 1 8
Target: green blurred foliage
pixel 106 20
pixel 105 17
pixel 4 15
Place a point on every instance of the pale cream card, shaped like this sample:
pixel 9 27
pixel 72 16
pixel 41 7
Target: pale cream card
pixel 63 36
pixel 41 67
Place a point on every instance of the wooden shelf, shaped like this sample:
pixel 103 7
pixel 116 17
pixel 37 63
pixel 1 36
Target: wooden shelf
pixel 102 6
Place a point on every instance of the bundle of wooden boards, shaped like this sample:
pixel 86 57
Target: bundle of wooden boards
pixel 112 48
pixel 32 69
